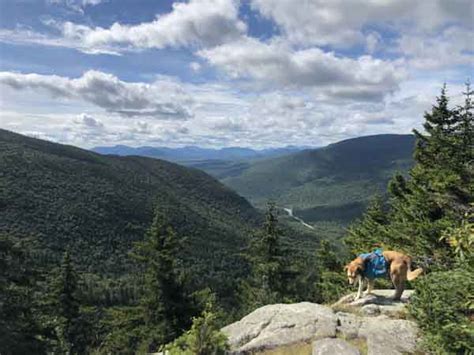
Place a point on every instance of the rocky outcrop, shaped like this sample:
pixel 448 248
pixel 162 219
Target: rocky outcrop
pixel 277 325
pixel 331 330
pixel 378 302
pixel 388 336
pixel 331 346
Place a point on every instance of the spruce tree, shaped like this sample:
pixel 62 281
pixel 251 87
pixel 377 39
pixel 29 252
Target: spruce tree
pixel 330 284
pixel 465 152
pixel 266 283
pixel 19 331
pixel 165 305
pixel 436 146
pixel 370 230
pixel 70 327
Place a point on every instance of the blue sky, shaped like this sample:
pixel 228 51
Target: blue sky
pixel 255 73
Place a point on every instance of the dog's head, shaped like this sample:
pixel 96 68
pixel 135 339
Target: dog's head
pixel 354 269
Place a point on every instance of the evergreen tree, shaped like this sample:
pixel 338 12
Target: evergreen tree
pixel 165 305
pixel 267 282
pixel 19 332
pixel 370 231
pixel 330 284
pixel 70 327
pixel 436 147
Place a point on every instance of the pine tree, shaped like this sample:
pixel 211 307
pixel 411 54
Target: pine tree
pixel 266 283
pixel 370 231
pixel 70 325
pixel 330 284
pixel 435 148
pixel 19 331
pixel 465 151
pixel 165 305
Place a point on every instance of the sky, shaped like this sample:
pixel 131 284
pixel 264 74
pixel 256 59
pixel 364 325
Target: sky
pixel 219 73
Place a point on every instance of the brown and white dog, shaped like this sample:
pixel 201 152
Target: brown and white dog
pixel 400 271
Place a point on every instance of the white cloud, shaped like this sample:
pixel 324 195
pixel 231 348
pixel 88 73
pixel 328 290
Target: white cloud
pixel 76 5
pixel 88 121
pixel 161 99
pixel 199 23
pixel 343 22
pixel 195 66
pixel 225 116
pixel 453 46
pixel 277 63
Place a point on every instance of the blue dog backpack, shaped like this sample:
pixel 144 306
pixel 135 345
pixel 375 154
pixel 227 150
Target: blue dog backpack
pixel 375 264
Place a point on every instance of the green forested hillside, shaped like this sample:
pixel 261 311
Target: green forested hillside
pixel 326 184
pixel 96 206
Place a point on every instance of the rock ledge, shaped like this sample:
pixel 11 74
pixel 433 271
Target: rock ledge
pixel 281 325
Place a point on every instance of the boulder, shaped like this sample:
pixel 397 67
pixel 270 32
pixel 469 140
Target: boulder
pixel 389 336
pixel 378 302
pixel 279 325
pixel 348 325
pixel 331 346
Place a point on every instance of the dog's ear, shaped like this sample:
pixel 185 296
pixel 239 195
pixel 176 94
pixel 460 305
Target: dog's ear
pixel 346 267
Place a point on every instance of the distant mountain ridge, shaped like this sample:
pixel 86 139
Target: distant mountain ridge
pixel 330 183
pixel 194 153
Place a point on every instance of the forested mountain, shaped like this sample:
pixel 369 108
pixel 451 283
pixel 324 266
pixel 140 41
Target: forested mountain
pixel 330 183
pixel 96 206
pixel 191 153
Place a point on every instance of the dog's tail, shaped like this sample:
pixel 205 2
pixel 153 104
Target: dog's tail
pixel 411 275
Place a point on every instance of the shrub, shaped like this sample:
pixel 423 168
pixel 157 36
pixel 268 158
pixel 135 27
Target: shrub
pixel 443 308
pixel 204 337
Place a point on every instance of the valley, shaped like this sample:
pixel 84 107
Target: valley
pixel 327 187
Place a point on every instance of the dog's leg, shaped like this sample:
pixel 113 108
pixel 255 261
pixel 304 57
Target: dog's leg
pixel 398 274
pixel 370 287
pixel 361 286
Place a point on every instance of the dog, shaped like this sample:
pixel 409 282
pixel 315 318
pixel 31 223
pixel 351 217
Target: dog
pixel 399 269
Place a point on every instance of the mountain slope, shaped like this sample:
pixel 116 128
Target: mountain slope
pixel 331 183
pixel 97 206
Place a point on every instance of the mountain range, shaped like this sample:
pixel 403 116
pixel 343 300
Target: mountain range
pixel 328 184
pixel 193 153
pixel 60 197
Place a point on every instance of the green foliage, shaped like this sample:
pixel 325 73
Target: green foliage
pixel 443 305
pixel 204 337
pixel 333 183
pixel 461 239
pixel 165 304
pixel 125 331
pixel 19 331
pixel 69 324
pixel 267 281
pixel 98 206
pixel 370 231
pixel 331 284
